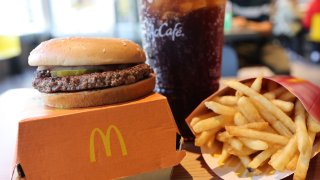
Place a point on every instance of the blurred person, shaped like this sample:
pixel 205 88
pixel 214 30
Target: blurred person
pixel 254 15
pixel 309 22
pixel 287 24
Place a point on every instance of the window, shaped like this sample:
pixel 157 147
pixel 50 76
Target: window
pixel 21 17
pixel 76 17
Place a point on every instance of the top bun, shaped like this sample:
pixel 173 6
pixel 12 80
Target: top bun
pixel 86 51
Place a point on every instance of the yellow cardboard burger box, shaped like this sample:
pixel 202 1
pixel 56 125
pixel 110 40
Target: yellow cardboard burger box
pixel 103 142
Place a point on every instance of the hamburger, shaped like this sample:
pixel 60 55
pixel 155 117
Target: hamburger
pixel 83 72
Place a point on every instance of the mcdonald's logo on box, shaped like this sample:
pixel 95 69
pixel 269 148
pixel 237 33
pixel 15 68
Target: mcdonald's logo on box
pixel 104 142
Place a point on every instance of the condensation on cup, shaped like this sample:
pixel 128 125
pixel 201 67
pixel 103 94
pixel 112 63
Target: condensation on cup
pixel 183 41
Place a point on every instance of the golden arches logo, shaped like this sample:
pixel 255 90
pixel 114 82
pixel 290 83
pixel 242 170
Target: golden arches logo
pixel 106 141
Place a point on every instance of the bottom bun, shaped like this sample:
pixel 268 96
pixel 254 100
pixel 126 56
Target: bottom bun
pixel 100 97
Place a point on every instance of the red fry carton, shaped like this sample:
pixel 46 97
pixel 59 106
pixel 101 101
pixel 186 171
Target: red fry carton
pixel 104 142
pixel 306 92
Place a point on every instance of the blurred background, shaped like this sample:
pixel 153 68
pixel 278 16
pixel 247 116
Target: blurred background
pixel 262 37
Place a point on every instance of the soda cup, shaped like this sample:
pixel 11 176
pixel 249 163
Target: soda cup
pixel 183 41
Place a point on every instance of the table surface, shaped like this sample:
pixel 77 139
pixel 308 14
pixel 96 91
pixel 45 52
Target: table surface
pixel 239 34
pixel 192 166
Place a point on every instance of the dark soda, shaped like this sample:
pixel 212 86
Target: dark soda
pixel 184 49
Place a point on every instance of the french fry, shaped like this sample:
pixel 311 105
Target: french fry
pixel 291 166
pixel 204 137
pixel 257 84
pixel 274 93
pixel 259 159
pixel 244 151
pixel 235 144
pixel 302 133
pixel 285 106
pixel 275 155
pixel 254 144
pixel 313 125
pixel 220 109
pixel 277 125
pixel 287 96
pixel 212 123
pixel 239 119
pixel 223 136
pixel 269 96
pixel 245 160
pixel 279 91
pixel 254 134
pixel 238 94
pixel 227 100
pixel 278 113
pixel 248 110
pixel 271 130
pixel 304 159
pixel 255 125
pixel 224 155
pixel 195 120
pixel 279 163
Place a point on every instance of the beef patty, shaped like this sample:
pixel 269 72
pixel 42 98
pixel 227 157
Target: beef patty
pixel 47 84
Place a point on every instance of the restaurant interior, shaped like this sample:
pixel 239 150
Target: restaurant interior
pixel 270 37
pixel 289 46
